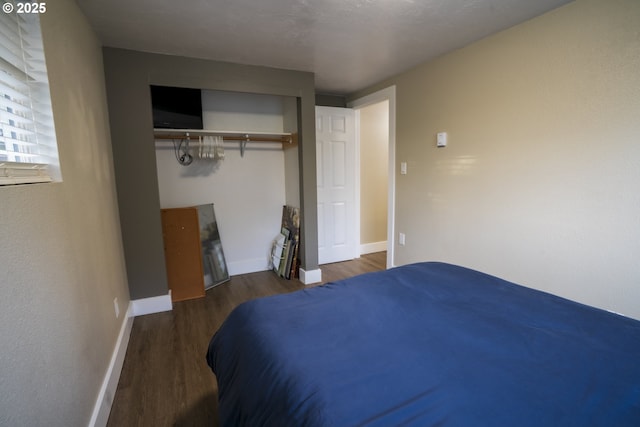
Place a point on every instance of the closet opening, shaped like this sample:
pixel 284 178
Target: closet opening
pixel 248 173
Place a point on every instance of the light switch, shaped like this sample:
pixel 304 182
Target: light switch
pixel 403 168
pixel 441 139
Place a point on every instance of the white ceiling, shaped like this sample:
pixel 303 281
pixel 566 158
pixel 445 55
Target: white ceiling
pixel 348 44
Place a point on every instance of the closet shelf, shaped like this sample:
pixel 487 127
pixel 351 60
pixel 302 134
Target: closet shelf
pixel 288 140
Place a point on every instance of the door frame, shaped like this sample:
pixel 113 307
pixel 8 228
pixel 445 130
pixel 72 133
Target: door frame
pixel 387 94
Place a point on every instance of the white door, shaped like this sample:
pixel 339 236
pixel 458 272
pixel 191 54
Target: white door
pixel 335 161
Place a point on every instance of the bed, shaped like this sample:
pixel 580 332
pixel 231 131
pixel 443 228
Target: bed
pixel 428 344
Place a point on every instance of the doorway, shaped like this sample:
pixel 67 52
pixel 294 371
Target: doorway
pixel 370 123
pixel 373 136
pixel 373 114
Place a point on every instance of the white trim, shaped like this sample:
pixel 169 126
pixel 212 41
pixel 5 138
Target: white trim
pixel 140 307
pixel 357 195
pixel 102 407
pixel 311 276
pixel 23 173
pixel 370 248
pixel 388 94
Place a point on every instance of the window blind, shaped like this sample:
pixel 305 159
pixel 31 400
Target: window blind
pixel 28 148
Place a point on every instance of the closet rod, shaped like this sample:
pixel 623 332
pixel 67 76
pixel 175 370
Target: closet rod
pixel 285 139
pixel 288 140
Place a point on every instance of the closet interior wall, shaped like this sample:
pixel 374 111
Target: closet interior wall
pixel 248 191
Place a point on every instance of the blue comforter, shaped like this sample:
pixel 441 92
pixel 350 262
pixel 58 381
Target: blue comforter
pixel 427 344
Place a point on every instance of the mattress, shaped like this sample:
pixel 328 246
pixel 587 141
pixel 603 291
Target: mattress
pixel 428 344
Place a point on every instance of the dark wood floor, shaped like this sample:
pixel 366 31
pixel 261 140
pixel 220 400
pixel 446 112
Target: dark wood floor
pixel 165 380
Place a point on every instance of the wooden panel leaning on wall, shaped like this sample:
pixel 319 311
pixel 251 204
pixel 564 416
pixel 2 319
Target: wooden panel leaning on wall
pixel 182 252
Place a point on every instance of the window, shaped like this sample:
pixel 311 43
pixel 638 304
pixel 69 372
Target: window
pixel 28 149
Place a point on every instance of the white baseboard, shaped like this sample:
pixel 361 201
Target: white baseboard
pixel 311 276
pixel 247 266
pixel 369 248
pixel 140 307
pixel 102 407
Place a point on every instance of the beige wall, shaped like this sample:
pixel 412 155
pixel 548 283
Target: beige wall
pixel 61 250
pixel 374 172
pixel 540 183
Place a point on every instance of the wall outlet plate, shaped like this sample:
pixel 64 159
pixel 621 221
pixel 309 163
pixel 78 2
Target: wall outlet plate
pixel 441 139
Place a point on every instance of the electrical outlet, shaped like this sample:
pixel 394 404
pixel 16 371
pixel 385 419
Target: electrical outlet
pixel 401 239
pixel 116 307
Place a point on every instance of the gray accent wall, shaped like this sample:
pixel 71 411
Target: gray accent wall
pixel 323 100
pixel 128 76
